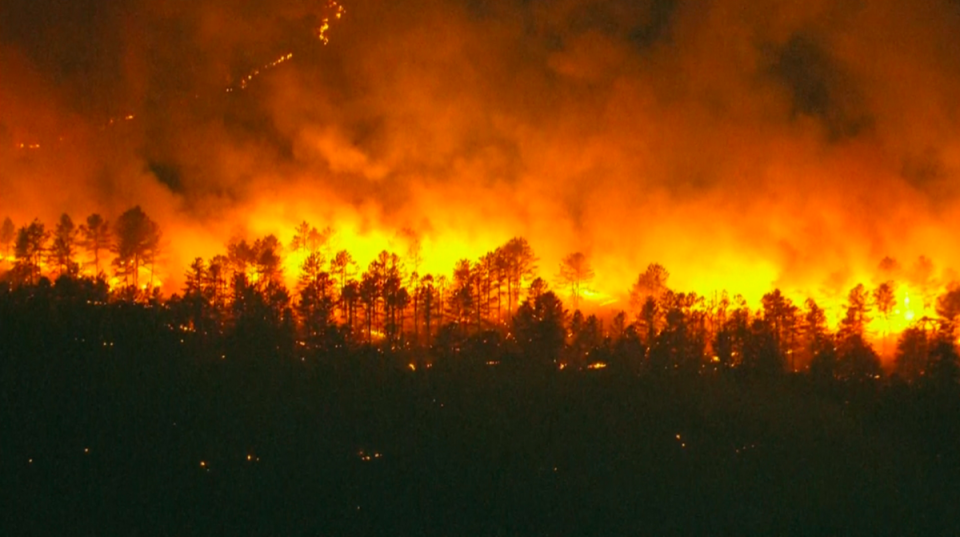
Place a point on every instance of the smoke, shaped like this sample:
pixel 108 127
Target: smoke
pixel 743 145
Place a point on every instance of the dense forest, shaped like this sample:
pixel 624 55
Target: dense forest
pixel 385 401
pixel 498 303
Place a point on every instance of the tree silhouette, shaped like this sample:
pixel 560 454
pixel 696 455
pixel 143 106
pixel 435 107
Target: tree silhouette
pixel 491 281
pixel 761 354
pixel 371 292
pixel 943 368
pixel 538 325
pixel 729 342
pixel 241 257
pixel 480 283
pixel 308 239
pixel 29 248
pixel 460 299
pixel 95 237
pixel 780 315
pixel 817 341
pixel 681 342
pixel 349 299
pixel 857 361
pixel 885 299
pixel 301 237
pixel 196 278
pixel 521 265
pixel 651 283
pixel 395 295
pixel 267 260
pixel 912 350
pixel 575 272
pixel 585 337
pixel 63 249
pixel 343 268
pixel 316 302
pixel 137 242
pixel 948 307
pixel 858 310
pixel 197 293
pixel 427 298
pixel 217 279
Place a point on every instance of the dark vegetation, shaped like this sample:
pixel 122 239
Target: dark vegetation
pixel 396 404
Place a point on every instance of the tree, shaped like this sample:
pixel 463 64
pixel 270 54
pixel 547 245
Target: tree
pixel 217 279
pixel 651 283
pixel 342 267
pixel 240 256
pixel 857 361
pixel 730 341
pixel 316 302
pixel 63 249
pixel 943 369
pixel 349 297
pixel 912 350
pixel 575 272
pixel 95 237
pixel 307 239
pixel 521 265
pixel 585 338
pixel 858 310
pixel 196 293
pixel 8 232
pixel 948 307
pixel 680 344
pixel 300 237
pixel 780 315
pixel 886 300
pixel 196 278
pixel 395 295
pixel 818 344
pixel 267 260
pixel 427 296
pixel 461 299
pixel 539 325
pixel 761 354
pixel 29 248
pixel 137 243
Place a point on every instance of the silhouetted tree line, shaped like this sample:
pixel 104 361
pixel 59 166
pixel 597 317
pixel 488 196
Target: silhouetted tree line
pixel 380 401
pixel 238 301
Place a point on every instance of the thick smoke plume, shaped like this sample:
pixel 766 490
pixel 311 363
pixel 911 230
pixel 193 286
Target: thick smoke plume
pixel 744 145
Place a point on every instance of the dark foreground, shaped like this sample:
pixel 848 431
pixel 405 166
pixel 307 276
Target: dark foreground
pixel 145 442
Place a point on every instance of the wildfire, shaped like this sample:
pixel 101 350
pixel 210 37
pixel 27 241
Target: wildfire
pixel 324 29
pixel 246 80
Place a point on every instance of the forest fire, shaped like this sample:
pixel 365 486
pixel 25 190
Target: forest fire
pixel 771 159
pixel 463 267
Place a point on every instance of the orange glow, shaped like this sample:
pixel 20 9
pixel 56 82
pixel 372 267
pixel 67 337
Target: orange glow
pixel 432 123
